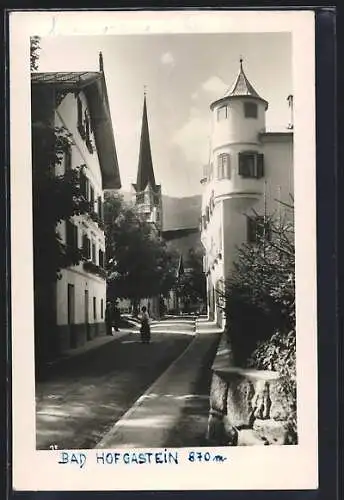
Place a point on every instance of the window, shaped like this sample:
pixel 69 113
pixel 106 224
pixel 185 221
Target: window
pixel 250 109
pixel 71 235
pixel 86 246
pixel 80 125
pixel 251 165
pixel 68 158
pixel 88 132
pixel 94 308
pixel 140 197
pixel 101 308
pixel 223 167
pixel 92 197
pixel 101 258
pixel 258 229
pixel 100 208
pixel 70 304
pixel 222 113
pixel 94 253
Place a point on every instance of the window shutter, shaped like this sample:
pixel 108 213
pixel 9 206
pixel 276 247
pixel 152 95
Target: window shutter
pixel 243 171
pixel 100 208
pixel 92 197
pixel 83 184
pixel 84 245
pixel 260 166
pixel 219 167
pixel 88 250
pixel 227 172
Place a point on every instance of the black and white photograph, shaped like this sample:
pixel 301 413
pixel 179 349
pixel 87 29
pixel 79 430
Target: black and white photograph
pixel 164 185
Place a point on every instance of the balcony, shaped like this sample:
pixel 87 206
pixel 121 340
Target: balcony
pixel 92 268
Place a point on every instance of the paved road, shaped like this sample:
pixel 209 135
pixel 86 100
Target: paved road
pixel 82 398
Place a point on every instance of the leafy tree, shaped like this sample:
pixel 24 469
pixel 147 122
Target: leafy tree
pixel 138 262
pixel 191 286
pixel 260 292
pixel 56 198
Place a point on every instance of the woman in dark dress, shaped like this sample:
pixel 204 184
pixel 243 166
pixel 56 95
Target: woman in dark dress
pixel 108 318
pixel 145 327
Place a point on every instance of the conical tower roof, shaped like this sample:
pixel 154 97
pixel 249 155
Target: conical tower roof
pixel 241 88
pixel 145 172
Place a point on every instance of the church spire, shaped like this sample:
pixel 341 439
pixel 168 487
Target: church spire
pixel 145 173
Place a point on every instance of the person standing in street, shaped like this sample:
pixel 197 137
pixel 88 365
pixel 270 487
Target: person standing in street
pixel 108 318
pixel 116 317
pixel 145 326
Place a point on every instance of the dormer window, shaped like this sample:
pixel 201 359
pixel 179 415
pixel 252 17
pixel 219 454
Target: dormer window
pixel 222 113
pixel 251 165
pixel 250 110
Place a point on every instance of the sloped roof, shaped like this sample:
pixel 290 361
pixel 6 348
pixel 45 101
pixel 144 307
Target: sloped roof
pixel 241 88
pixel 93 84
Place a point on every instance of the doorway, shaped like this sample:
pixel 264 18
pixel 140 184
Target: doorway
pixel 87 319
pixel 71 314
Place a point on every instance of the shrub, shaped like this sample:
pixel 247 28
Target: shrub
pixel 260 292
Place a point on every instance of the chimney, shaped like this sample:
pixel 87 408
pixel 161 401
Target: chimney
pixel 101 63
pixel 290 100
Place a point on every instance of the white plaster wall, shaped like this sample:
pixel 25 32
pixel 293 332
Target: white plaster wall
pixel 236 128
pixel 96 288
pixel 279 168
pixel 66 116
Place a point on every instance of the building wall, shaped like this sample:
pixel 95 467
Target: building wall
pixel 227 202
pixel 236 128
pixel 81 330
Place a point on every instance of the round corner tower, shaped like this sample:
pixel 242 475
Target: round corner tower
pixel 238 119
pixel 234 180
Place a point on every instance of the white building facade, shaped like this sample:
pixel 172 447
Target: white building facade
pixel 82 110
pixel 250 172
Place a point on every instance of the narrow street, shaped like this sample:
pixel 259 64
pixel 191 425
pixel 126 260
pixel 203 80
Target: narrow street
pixel 83 397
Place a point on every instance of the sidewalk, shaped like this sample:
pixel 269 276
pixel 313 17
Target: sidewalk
pixel 155 416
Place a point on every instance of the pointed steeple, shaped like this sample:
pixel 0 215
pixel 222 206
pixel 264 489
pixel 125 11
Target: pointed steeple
pixel 180 270
pixel 145 173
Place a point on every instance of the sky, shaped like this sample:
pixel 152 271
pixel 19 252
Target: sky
pixel 183 74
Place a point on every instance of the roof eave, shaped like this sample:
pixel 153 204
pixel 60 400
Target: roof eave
pixel 230 97
pixel 104 136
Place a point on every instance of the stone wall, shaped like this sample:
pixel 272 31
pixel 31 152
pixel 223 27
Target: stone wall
pixel 247 406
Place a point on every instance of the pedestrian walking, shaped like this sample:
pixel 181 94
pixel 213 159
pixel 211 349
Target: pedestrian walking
pixel 108 318
pixel 116 317
pixel 145 326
